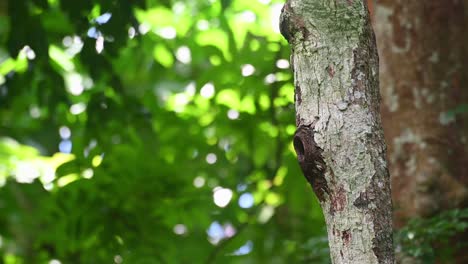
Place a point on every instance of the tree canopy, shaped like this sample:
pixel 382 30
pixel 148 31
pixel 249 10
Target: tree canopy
pixel 150 132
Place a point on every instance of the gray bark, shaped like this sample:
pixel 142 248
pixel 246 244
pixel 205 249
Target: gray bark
pixel 339 140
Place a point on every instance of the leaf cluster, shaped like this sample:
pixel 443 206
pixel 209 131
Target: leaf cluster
pixel 122 120
pixel 435 238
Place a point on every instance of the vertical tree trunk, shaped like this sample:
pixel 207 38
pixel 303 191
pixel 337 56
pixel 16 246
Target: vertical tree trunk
pixel 339 140
pixel 422 45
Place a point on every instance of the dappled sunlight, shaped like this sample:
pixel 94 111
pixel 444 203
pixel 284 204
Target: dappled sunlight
pixel 104 18
pixel 26 172
pixel 247 70
pixel 180 229
pixel 282 64
pixel 247 16
pixel 64 132
pixel 184 55
pixel 211 158
pixel 246 200
pixel 152 125
pixel 73 45
pixel 118 259
pixel 245 249
pixel 266 212
pixel 233 114
pixel 97 160
pixel 88 173
pixel 25 164
pixel 74 83
pixel 30 54
pixel 78 108
pixel 207 90
pixel 99 44
pixel 199 182
pixel 275 14
pixel 169 33
pixel 61 58
pixel 217 232
pixel 65 146
pixel 222 196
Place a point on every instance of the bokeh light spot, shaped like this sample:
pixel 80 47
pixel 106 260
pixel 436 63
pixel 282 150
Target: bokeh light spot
pixel 199 182
pixel 180 229
pixel 248 69
pixel 183 55
pixel 246 200
pixel 64 132
pixel 65 146
pixel 222 196
pixel 207 90
pixel 282 64
pixel 232 114
pixel 77 108
pixel 211 158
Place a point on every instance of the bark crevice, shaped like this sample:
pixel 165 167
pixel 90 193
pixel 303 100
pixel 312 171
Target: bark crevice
pixel 310 158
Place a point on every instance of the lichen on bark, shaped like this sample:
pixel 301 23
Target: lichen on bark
pixel 335 67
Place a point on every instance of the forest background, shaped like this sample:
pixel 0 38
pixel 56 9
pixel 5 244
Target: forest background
pixel 161 132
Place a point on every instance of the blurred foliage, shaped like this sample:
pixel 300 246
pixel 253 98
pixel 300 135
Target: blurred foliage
pixel 434 238
pixel 460 109
pixel 152 131
pixel 121 123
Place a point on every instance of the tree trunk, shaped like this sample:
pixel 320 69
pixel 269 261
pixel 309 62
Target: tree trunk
pixel 422 46
pixel 339 141
pixel 423 73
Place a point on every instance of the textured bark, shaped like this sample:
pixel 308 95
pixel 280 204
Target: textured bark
pixel 339 141
pixel 422 46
